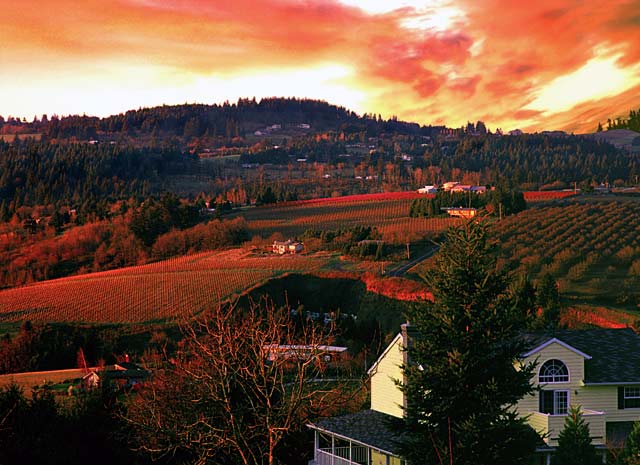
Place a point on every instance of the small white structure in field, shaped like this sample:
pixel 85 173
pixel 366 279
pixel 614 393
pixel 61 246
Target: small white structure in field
pixel 283 247
pixel 428 190
pixel 304 352
pixel 447 186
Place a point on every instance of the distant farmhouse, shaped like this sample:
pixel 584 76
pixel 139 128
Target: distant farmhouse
pixel 597 369
pixel 289 246
pixel 461 212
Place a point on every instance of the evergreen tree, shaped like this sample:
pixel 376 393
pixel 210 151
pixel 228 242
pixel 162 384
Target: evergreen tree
pixel 463 379
pixel 632 446
pixel 548 298
pixel 574 442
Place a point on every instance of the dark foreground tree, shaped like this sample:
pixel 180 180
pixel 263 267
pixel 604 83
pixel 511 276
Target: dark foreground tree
pixel 230 395
pixel 464 377
pixel 574 442
pixel 631 454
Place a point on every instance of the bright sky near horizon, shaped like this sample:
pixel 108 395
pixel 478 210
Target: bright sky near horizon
pixel 546 64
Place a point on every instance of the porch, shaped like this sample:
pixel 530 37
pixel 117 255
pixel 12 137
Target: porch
pixel 352 455
pixel 362 438
pixel 550 425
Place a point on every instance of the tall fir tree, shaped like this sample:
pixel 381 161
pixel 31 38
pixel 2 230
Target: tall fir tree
pixel 463 377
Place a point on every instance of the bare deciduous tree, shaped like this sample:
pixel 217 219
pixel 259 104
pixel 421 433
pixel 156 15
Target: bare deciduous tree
pixel 240 382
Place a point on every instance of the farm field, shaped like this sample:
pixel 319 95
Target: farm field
pixel 388 212
pixel 37 378
pixel 541 196
pixel 591 247
pixel 156 292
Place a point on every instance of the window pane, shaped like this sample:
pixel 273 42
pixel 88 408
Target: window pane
pixel 546 402
pixel 561 402
pixel 553 371
pixel 631 392
pixel 632 397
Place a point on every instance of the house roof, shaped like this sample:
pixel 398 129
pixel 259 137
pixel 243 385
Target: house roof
pixel 615 353
pixel 368 427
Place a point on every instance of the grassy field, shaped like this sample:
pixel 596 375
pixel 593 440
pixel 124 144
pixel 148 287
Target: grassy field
pixel 27 381
pixel 388 212
pixel 184 286
pixel 156 292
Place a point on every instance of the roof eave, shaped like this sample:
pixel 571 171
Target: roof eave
pixel 558 341
pixel 612 383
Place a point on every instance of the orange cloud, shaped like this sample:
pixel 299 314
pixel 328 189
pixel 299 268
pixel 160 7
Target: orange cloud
pixel 445 61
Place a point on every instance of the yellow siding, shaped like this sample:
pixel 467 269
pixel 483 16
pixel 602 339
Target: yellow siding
pixel 589 398
pixel 605 399
pixel 386 397
pixel 575 364
pixel 378 458
pixel 539 422
pixel 529 404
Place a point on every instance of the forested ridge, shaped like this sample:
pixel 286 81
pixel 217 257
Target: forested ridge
pixel 34 173
pixel 538 159
pixel 218 121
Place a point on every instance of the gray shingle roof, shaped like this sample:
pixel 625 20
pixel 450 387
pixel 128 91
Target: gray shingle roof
pixel 615 352
pixel 369 427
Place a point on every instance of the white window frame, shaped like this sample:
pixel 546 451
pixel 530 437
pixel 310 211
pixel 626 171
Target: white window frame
pixel 554 382
pixel 631 397
pixel 555 401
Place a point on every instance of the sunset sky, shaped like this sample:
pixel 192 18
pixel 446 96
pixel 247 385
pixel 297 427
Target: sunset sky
pixel 540 64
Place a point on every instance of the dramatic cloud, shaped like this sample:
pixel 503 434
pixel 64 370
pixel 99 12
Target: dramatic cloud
pixel 434 61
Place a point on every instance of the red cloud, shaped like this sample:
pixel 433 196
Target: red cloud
pixel 516 50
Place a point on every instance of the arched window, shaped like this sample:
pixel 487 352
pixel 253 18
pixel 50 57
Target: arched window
pixel 553 371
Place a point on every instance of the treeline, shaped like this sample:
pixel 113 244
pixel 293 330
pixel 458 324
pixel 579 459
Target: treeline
pixel 42 347
pixel 360 241
pixel 83 175
pixel 533 160
pixel 83 429
pixel 496 202
pixel 632 122
pixel 109 244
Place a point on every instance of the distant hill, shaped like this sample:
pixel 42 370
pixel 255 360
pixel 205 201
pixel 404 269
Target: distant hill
pixel 621 138
pixel 227 121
